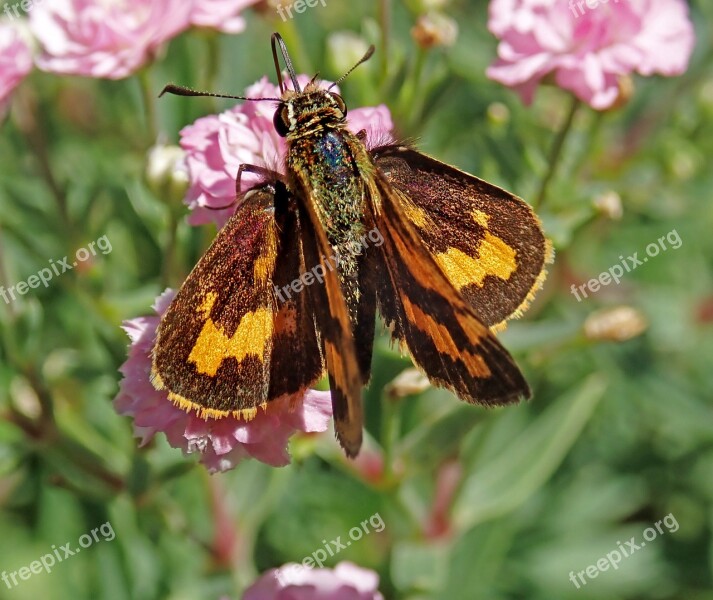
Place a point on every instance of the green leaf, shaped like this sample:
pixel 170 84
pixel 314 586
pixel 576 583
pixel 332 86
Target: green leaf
pixel 504 483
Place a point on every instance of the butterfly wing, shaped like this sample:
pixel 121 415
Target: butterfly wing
pixel 425 311
pixel 333 323
pixel 487 242
pixel 232 341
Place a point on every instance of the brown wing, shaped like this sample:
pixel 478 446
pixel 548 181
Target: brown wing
pixel 488 242
pixel 232 340
pixel 425 311
pixel 334 325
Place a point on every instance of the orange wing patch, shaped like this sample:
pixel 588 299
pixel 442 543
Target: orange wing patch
pixel 264 265
pixel 443 341
pixel 495 258
pixel 213 346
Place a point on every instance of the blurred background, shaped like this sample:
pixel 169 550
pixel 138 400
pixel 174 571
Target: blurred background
pixel 492 504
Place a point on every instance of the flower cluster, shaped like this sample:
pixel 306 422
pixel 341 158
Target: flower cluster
pixel 109 40
pixel 587 47
pixel 114 39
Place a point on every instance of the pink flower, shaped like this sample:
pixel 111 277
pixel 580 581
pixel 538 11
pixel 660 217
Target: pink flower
pixel 221 443
pixel 220 14
pixel 217 145
pixel 588 45
pixel 15 62
pixel 104 39
pixel 114 39
pixel 346 581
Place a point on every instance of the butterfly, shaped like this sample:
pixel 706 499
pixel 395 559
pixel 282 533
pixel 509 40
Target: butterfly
pixel 291 285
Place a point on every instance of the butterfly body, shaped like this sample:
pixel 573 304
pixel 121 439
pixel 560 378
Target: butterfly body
pixel 325 161
pixel 344 231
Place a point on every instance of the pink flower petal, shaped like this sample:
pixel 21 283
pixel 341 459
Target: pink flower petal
pixel 220 14
pixel 114 39
pixel 15 62
pixel 346 581
pixel 588 49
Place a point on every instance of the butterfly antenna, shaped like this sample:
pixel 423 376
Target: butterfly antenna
pixel 278 41
pixel 363 59
pixel 179 90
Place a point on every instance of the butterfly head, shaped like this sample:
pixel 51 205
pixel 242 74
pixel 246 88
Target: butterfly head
pixel 299 111
pixel 303 112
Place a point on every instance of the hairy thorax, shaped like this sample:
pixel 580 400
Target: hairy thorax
pixel 326 163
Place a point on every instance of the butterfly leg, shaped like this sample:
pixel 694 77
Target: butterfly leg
pixel 264 172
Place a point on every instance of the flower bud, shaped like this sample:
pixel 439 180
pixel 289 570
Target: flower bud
pixel 165 170
pixel 434 29
pixel 407 383
pixel 617 324
pixel 498 113
pixel 609 205
pixel 24 398
pixel 626 91
pixel 345 50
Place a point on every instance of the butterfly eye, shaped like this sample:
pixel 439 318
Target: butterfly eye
pixel 281 120
pixel 340 104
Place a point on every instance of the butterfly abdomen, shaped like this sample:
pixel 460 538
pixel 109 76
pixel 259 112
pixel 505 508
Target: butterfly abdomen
pixel 326 163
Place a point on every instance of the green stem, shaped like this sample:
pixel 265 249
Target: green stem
pixel 148 96
pixel 210 82
pixel 385 22
pixel 168 270
pixel 408 101
pixel 49 438
pixel 592 135
pixel 5 283
pixel 390 429
pixel 34 132
pixel 89 462
pixel 556 152
pixel 414 98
